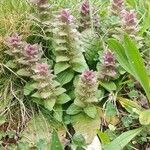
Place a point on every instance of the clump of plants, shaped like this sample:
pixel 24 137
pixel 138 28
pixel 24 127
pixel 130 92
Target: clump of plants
pixel 77 78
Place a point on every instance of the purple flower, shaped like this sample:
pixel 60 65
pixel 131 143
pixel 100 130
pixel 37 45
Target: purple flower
pixel 65 16
pixel 13 41
pixel 31 50
pixel 89 77
pixel 42 69
pixel 85 8
pixel 129 20
pixel 109 58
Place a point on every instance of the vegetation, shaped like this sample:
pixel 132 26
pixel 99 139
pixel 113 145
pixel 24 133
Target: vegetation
pixel 71 70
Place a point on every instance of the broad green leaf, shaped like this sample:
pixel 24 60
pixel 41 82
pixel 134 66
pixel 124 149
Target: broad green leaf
pixel 59 67
pixel 121 141
pixel 37 128
pixel 104 137
pixel 110 110
pixel 137 64
pixel 28 88
pixel 63 98
pixel 23 72
pixel 120 54
pixel 129 105
pixel 62 58
pixel 144 117
pixel 59 91
pixel 58 113
pixel 86 126
pixel 79 67
pixel 110 86
pixel 79 64
pixel 91 111
pixel 55 142
pixel 49 104
pixel 65 76
pixel 73 109
pixel 11 64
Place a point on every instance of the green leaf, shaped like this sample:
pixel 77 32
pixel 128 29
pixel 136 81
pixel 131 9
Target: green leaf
pixel 36 129
pixel 110 110
pixel 28 88
pixel 120 54
pixel 62 59
pixel 11 64
pixel 23 72
pixel 59 91
pixel 144 117
pixel 59 67
pixel 58 113
pixel 91 111
pixel 49 104
pixel 129 105
pixel 86 126
pixel 73 109
pixel 65 76
pixel 110 86
pixel 63 98
pixel 121 141
pixel 79 64
pixel 55 142
pixel 137 64
pixel 104 137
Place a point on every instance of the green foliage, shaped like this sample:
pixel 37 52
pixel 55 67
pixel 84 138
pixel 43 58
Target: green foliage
pixel 55 143
pixel 61 84
pixel 131 60
pixel 121 141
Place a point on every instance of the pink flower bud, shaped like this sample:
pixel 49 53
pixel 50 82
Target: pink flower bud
pixel 109 58
pixel 129 20
pixel 65 16
pixel 89 77
pixel 31 50
pixel 85 8
pixel 42 69
pixel 13 41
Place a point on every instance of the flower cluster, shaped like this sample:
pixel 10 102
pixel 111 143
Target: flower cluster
pixel 129 21
pixel 23 53
pixel 85 17
pixel 28 57
pixel 108 68
pixel 86 89
pixel 65 16
pixel 13 41
pixel 117 6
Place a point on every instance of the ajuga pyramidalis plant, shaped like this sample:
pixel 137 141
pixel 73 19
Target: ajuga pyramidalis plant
pixel 85 19
pixel 108 67
pixel 86 88
pixel 42 18
pixel 68 45
pixel 49 89
pixel 27 57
